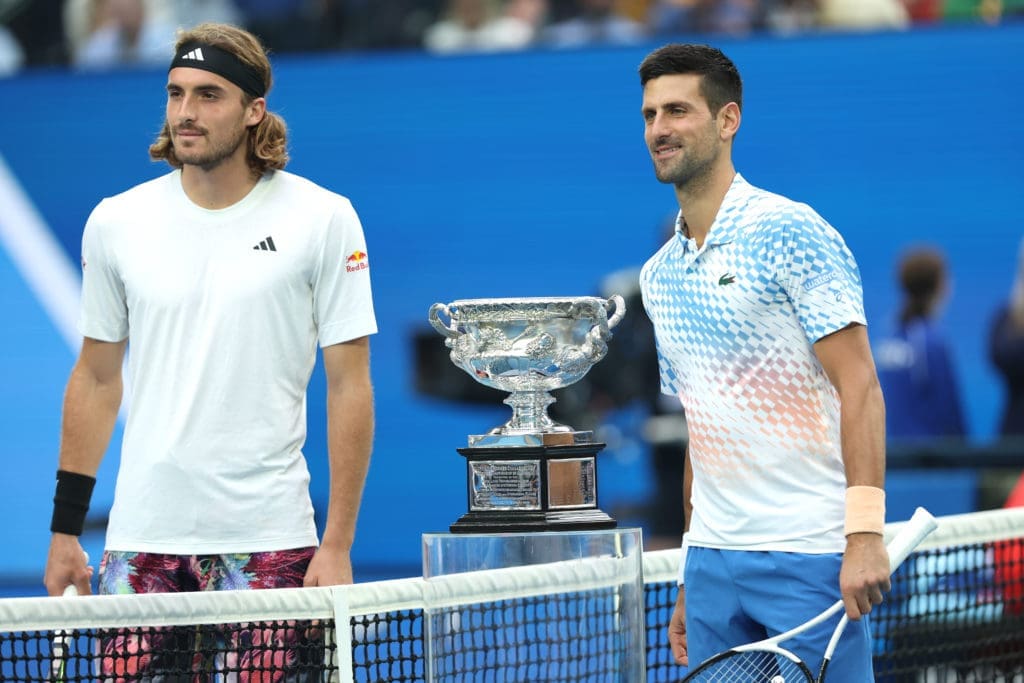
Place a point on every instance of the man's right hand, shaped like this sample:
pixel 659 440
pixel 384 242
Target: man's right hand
pixel 67 565
pixel 677 629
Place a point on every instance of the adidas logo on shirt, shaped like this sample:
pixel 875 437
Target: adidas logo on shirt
pixel 196 54
pixel 266 244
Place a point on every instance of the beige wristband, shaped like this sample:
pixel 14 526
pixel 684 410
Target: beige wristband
pixel 865 510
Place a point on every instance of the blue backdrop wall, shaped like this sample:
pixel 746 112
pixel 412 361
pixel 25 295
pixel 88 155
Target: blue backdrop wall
pixel 525 175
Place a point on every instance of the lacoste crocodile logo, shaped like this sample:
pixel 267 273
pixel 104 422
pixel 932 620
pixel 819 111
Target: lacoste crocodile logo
pixel 727 279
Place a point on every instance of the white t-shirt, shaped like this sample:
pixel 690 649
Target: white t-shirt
pixel 223 311
pixel 735 324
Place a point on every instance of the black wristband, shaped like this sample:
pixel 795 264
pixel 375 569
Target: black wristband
pixel 71 502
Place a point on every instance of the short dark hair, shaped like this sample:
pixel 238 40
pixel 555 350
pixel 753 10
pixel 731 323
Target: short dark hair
pixel 720 83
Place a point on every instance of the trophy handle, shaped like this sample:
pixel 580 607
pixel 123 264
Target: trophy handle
pixel 595 347
pixel 436 323
pixel 617 304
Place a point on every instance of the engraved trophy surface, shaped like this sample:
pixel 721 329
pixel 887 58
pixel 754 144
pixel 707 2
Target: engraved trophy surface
pixel 530 473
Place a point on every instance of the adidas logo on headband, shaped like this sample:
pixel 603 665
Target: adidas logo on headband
pixel 196 54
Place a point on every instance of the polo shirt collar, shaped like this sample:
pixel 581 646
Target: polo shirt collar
pixel 725 227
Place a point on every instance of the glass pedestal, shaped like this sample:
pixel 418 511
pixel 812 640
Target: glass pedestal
pixel 538 607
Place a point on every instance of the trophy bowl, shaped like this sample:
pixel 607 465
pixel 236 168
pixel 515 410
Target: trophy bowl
pixel 527 347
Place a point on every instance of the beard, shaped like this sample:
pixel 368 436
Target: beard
pixel 694 164
pixel 685 171
pixel 216 153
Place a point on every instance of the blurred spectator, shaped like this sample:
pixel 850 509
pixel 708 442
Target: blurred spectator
pixel 669 17
pixel 634 9
pixel 866 15
pixel 924 11
pixel 560 10
pixel 283 25
pixel 728 17
pixel 192 12
pixel 532 13
pixel 1006 349
pixel 12 57
pixel 922 396
pixel 595 22
pixel 787 17
pixel 382 24
pixel 39 31
pixel 989 11
pixel 111 33
pixel 476 25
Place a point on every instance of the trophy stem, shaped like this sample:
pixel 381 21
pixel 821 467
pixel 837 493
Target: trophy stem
pixel 530 413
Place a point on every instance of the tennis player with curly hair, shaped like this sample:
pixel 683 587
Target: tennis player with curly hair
pixel 219 280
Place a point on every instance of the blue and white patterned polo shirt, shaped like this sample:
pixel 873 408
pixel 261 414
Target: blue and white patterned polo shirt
pixel 735 323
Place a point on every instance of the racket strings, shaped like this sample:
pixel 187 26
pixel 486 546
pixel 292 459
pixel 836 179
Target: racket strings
pixel 752 666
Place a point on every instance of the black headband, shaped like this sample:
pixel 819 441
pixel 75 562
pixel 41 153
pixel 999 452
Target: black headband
pixel 196 55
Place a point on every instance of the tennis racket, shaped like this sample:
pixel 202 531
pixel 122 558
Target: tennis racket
pixel 767 662
pixel 59 646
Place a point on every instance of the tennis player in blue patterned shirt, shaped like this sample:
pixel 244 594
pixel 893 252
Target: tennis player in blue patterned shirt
pixel 757 308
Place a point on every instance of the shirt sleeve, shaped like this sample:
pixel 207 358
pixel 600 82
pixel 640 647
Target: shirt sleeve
pixel 342 298
pixel 104 307
pixel 818 273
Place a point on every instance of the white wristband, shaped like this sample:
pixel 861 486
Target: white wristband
pixel 682 559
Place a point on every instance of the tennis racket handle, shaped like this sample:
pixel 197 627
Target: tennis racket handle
pixel 909 536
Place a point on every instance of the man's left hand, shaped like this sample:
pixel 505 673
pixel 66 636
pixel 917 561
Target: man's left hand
pixel 864 577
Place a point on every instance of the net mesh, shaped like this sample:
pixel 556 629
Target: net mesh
pixel 269 650
pixel 388 647
pixel 573 638
pixel 514 625
pixel 955 613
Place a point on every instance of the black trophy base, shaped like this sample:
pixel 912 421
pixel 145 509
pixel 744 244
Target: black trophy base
pixel 491 522
pixel 532 488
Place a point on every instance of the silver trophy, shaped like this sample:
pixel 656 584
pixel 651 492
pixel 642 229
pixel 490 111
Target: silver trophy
pixel 530 473
pixel 528 347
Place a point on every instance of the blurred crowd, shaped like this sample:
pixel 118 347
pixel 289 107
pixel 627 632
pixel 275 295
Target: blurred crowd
pixel 91 34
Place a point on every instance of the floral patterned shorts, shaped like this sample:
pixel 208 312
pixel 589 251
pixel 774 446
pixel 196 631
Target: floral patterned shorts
pixel 271 652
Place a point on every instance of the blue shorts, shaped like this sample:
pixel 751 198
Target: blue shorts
pixel 735 597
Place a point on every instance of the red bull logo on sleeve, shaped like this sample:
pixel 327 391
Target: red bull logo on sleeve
pixel 356 261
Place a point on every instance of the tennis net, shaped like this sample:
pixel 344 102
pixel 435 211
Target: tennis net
pixel 955 613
